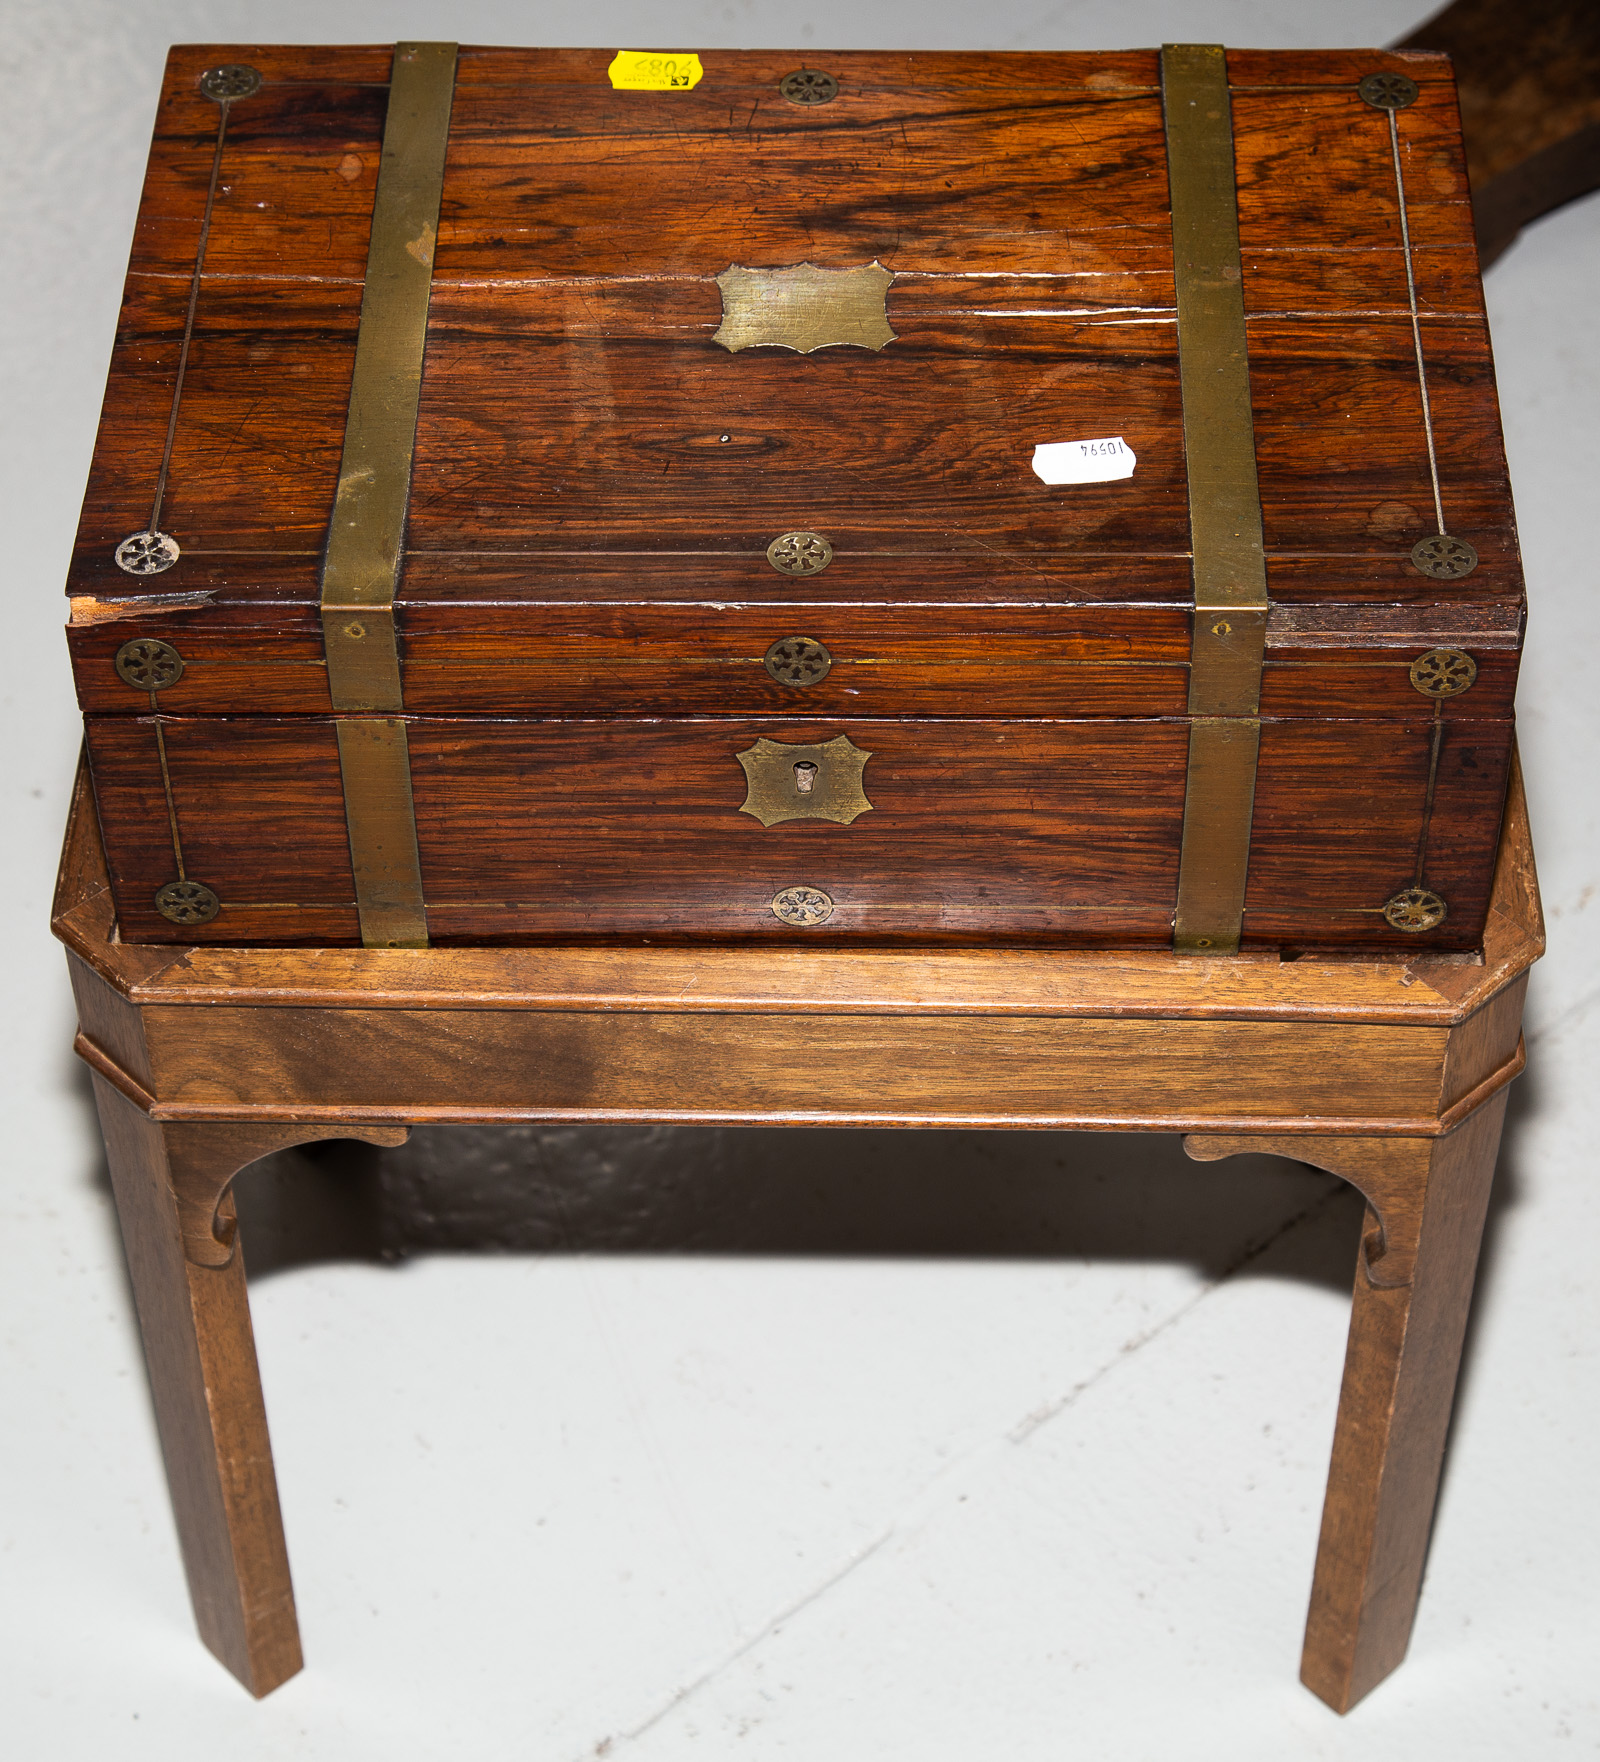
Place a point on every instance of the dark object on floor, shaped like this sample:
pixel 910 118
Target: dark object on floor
pixel 1528 77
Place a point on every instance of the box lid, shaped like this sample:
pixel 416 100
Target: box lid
pixel 584 436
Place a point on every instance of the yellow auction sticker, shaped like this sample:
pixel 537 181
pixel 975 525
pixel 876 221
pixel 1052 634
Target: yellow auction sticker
pixel 643 70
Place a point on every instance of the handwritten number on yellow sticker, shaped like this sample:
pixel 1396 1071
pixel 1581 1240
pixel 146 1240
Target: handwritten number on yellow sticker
pixel 643 70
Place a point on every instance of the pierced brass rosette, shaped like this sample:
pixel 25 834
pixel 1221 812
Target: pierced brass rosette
pixel 1415 910
pixel 800 553
pixel 148 664
pixel 1443 672
pixel 804 907
pixel 1388 91
pixel 1444 558
pixel 187 902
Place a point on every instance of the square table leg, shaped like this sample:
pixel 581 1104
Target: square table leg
pixel 206 1386
pixel 1426 1202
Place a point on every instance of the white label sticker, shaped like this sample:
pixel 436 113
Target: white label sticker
pixel 1087 461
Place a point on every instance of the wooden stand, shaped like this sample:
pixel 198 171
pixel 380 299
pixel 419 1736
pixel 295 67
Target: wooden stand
pixel 1388 1072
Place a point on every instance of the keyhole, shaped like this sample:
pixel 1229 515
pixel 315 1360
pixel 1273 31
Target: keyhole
pixel 805 777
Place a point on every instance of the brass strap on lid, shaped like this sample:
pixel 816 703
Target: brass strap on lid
pixel 1230 576
pixel 366 535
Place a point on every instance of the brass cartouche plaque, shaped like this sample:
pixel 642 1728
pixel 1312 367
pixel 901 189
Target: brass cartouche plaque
pixel 804 308
pixel 1415 910
pixel 804 907
pixel 792 782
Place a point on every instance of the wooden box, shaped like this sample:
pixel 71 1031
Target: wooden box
pixel 559 495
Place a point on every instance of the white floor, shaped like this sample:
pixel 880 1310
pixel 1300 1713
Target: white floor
pixel 846 1506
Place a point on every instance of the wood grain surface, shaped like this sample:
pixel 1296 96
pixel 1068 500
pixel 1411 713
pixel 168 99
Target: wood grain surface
pixel 551 830
pixel 597 482
pixel 207 1393
pixel 908 659
pixel 569 364
pixel 1109 1039
pixel 1387 1071
pixel 1422 989
pixel 1427 1200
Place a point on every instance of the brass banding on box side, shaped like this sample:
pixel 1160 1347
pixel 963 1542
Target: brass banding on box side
pixel 1219 793
pixel 1230 577
pixel 366 535
pixel 375 767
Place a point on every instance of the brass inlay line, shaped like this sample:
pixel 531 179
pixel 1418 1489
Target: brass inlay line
pixel 1435 741
pixel 986 552
pixel 223 106
pixel 1230 575
pixel 1416 317
pixel 166 785
pixel 366 535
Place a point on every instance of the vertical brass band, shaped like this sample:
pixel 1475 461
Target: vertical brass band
pixel 366 535
pixel 375 766
pixel 1230 576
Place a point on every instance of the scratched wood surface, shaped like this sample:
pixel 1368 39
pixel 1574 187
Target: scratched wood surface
pixel 1420 988
pixel 572 402
pixel 912 659
pixel 597 481
pixel 1033 830
pixel 1371 1043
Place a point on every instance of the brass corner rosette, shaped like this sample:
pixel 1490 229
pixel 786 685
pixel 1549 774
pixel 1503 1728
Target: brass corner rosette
pixel 1228 643
pixel 366 534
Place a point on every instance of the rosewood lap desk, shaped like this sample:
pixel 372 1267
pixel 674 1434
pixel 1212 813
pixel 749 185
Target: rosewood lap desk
pixel 1387 1071
pixel 952 498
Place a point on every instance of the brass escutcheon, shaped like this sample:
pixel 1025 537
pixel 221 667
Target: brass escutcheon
pixel 789 781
